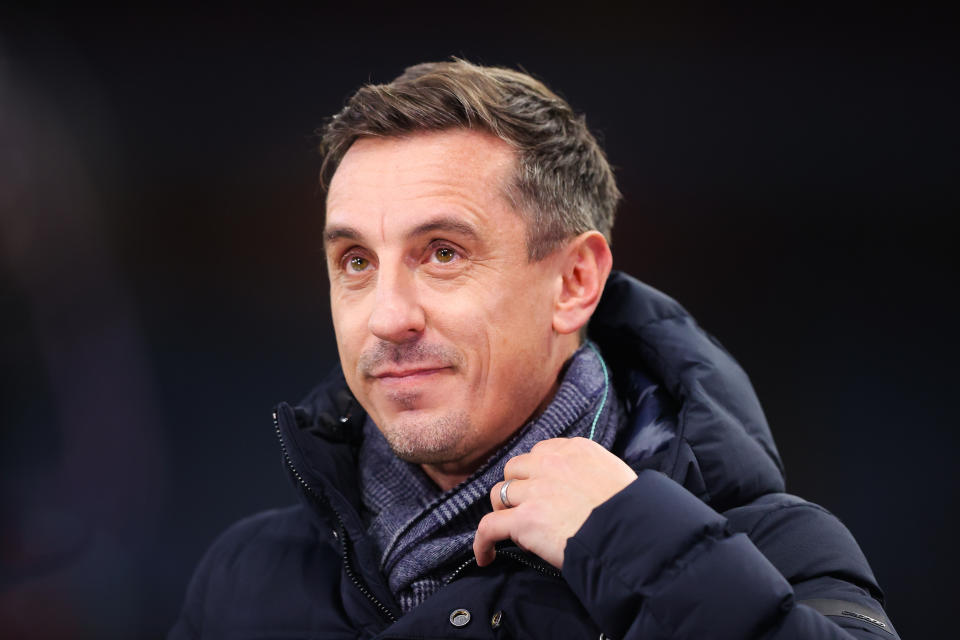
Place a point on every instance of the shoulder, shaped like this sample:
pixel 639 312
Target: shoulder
pixel 265 526
pixel 253 576
pixel 803 540
pixel 769 518
pixel 253 544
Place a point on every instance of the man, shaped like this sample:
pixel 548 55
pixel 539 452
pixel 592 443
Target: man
pixel 518 442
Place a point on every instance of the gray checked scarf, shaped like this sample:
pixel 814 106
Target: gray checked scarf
pixel 423 533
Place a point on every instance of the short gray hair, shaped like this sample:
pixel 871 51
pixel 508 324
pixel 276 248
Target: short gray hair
pixel 563 183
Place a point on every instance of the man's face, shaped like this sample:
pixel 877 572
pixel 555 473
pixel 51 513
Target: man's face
pixel 443 326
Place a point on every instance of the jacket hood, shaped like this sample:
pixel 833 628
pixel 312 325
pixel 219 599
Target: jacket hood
pixel 722 449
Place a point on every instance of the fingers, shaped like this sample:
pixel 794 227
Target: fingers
pixel 526 465
pixel 493 527
pixel 515 493
pixel 523 467
pixel 551 491
pixel 520 466
pixel 520 472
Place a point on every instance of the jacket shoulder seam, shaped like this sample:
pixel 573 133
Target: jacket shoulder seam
pixel 785 507
pixel 674 316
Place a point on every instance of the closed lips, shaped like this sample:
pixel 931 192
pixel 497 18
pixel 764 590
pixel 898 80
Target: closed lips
pixel 409 372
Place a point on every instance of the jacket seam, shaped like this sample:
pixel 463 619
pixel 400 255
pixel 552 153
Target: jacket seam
pixel 667 574
pixel 675 316
pixel 784 507
pixel 614 572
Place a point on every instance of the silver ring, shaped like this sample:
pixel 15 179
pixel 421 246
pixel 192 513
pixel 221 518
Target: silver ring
pixel 503 493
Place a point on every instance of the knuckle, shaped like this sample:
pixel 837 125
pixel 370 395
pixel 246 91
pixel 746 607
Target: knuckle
pixel 554 461
pixel 483 526
pixel 533 511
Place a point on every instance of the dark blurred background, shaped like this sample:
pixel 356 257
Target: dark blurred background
pixel 789 175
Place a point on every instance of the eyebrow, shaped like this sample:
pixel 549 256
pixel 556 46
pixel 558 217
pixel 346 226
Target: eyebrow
pixel 332 234
pixel 442 223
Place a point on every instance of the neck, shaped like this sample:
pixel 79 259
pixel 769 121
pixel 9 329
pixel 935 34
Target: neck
pixel 443 479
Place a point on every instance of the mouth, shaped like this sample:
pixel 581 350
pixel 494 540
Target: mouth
pixel 411 388
pixel 408 375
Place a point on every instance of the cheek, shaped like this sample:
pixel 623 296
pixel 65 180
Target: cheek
pixel 522 313
pixel 462 321
pixel 350 327
pixel 520 330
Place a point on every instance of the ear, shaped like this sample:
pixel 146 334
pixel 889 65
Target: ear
pixel 586 263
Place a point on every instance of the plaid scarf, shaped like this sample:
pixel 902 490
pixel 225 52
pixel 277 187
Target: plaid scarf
pixel 423 533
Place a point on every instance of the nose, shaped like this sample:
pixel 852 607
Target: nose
pixel 397 315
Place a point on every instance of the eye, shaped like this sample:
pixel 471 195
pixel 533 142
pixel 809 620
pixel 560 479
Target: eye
pixel 444 254
pixel 358 263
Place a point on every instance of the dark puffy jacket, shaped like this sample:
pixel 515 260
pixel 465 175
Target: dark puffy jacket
pixel 704 544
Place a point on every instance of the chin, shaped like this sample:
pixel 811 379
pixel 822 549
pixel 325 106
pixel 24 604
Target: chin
pixel 427 438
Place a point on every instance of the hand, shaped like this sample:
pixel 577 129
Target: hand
pixel 553 490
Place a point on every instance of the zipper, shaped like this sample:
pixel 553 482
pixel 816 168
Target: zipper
pixel 545 570
pixel 512 555
pixel 342 529
pixel 463 567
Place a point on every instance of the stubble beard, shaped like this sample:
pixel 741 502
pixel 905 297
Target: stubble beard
pixel 429 440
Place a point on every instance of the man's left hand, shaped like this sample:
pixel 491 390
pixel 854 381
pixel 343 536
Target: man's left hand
pixel 552 491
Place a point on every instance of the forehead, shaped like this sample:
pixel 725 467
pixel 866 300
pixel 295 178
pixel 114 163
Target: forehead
pixel 395 180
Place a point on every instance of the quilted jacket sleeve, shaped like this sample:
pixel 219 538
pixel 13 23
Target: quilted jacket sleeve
pixel 656 562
